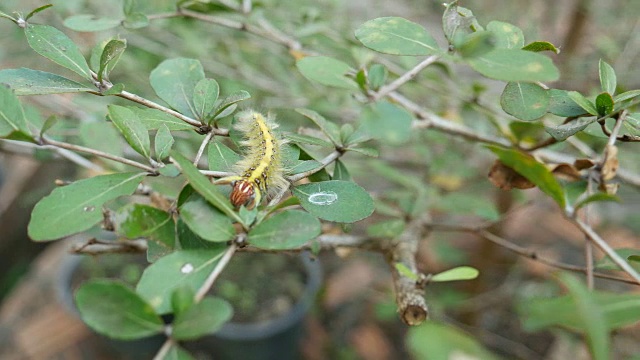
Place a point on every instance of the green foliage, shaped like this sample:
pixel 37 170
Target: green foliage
pixel 525 101
pixel 327 71
pixel 34 82
pixel 433 340
pixel 203 318
pixel 396 36
pixel 289 229
pixel 339 201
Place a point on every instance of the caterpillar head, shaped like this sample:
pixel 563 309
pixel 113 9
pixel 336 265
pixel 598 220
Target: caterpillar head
pixel 244 193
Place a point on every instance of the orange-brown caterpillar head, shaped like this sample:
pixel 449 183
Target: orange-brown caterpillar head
pixel 243 193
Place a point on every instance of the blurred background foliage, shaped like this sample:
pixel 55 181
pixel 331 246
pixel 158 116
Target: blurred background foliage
pixel 449 173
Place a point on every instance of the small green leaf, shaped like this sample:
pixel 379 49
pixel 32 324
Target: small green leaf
pixel 203 186
pixel 110 56
pixel 182 298
pixel 205 96
pixel 564 131
pixel 289 229
pixel 618 98
pixel 604 104
pixel 405 271
pixel 433 340
pixel 515 65
pixel 525 101
pixel 339 201
pixel 90 23
pixel 7 16
pixel 365 151
pixel 57 47
pixel 135 221
pixel 396 36
pixel 538 46
pixel 12 118
pixel 135 20
pixel 596 197
pixel 340 171
pixel 33 82
pixel 386 229
pixel 128 123
pixel 475 44
pixel 229 101
pixel 203 318
pixel 387 122
pixel 113 309
pixel 377 76
pixel 458 21
pixel 180 268
pixel 163 142
pixel 561 104
pixel 626 253
pixel 48 124
pixel 306 139
pixel 175 352
pixel 583 102
pixel 304 166
pixel 174 81
pixel 37 10
pixel 154 119
pixel 507 35
pixel 534 171
pixel 328 128
pixel 221 157
pixel 327 71
pixel 608 79
pixel 456 274
pixel 205 220
pixel 77 207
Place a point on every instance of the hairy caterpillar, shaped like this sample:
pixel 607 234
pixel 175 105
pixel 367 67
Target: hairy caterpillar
pixel 260 172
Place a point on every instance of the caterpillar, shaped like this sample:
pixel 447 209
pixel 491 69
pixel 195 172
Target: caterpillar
pixel 260 172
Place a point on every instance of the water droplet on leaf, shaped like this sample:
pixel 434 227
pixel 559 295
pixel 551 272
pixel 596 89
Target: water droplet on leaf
pixel 186 268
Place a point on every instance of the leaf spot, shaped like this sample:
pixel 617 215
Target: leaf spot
pixel 323 198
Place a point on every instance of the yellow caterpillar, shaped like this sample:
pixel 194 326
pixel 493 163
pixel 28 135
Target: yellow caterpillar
pixel 260 172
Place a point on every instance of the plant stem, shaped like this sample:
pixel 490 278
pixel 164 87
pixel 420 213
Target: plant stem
pixel 205 141
pixel 206 286
pixel 98 153
pixel 406 77
pixel 162 353
pixel 324 163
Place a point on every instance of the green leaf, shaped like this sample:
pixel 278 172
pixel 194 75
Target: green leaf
pixel 340 171
pixel 538 46
pixel 13 123
pixel 339 201
pixel 456 274
pixel 592 317
pixel 525 101
pixel 306 139
pixel 33 82
pixel 327 71
pixel 515 65
pixel 116 311
pixel 182 298
pixel 561 104
pixel 396 36
pixel 110 56
pixel 386 229
pixel 531 169
pixel 163 142
pixel 77 207
pixel 364 151
pixel 377 76
pixel 203 186
pixel 583 102
pixel 507 35
pixel 289 229
pixel 7 16
pixel 89 23
pixel 180 268
pixel 205 96
pixel 303 166
pixel 604 104
pixel 433 340
pixel 562 132
pixel 458 21
pixel 618 98
pixel 203 318
pixel 475 44
pixel 175 352
pixel 103 136
pixel 48 124
pixel 229 101
pixel 128 123
pixel 608 79
pixel 596 197
pixel 57 47
pixel 174 81
pixel 206 221
pixel 328 128
pixel 135 20
pixel 405 271
pixel 387 122
pixel 37 10
pixel 154 119
pixel 135 221
pixel 221 157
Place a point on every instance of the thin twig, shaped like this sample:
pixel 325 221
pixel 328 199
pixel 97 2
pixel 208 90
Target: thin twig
pixel 98 153
pixel 588 246
pixel 162 353
pixel 150 104
pixel 216 174
pixel 406 77
pixel 95 246
pixel 205 141
pixel 324 163
pixel 222 263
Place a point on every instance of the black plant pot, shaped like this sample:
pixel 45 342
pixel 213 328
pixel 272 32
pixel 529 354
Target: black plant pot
pixel 274 339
